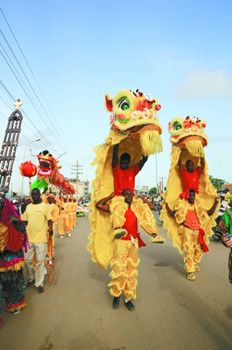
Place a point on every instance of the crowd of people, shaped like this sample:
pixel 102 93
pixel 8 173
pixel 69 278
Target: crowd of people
pixel 27 232
pixel 27 235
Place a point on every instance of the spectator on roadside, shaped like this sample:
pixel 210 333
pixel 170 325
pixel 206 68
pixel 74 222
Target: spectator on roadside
pixel 224 206
pixel 226 229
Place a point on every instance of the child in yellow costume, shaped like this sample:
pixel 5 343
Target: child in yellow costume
pixel 188 140
pixel 125 260
pixel 135 126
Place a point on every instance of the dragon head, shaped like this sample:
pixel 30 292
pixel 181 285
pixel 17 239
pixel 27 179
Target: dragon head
pixel 134 114
pixel 188 133
pixel 47 164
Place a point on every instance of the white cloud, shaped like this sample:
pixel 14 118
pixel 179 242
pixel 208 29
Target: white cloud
pixel 206 83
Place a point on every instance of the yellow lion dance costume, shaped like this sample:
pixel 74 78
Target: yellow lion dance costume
pixel 135 126
pixel 188 141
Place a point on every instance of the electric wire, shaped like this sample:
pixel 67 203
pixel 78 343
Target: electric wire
pixel 26 78
pixel 28 68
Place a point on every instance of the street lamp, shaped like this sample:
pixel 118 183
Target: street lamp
pixel 24 155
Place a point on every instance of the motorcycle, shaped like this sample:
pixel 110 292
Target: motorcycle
pixel 217 230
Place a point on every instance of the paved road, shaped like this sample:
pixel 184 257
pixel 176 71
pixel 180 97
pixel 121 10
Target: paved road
pixel 171 312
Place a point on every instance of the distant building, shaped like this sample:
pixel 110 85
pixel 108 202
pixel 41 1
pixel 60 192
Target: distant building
pixel 143 191
pixel 228 185
pixel 81 188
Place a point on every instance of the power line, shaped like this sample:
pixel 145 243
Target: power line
pixel 60 136
pixel 28 66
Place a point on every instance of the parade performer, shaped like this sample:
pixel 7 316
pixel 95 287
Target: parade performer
pixel 71 210
pixel 226 235
pixel 38 217
pixel 64 218
pixel 124 178
pixel 75 207
pixel 12 241
pixel 125 261
pixel 54 211
pixel 135 127
pixel 188 140
pixel 190 218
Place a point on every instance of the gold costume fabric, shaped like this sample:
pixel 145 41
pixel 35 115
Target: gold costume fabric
pixel 191 247
pixel 141 210
pixel 124 269
pixel 203 202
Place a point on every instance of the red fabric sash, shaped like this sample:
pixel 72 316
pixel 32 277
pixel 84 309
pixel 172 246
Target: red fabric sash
pixel 140 241
pixel 201 241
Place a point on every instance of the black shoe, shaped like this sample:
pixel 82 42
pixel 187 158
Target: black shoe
pixel 130 306
pixel 115 304
pixel 40 289
pixel 30 283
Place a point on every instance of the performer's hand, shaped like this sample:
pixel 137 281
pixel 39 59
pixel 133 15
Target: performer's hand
pixel 51 233
pixel 227 241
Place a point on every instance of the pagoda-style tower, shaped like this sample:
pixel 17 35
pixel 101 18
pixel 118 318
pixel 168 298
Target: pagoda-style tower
pixel 9 146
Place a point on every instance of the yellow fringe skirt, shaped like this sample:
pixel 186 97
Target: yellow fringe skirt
pixel 124 269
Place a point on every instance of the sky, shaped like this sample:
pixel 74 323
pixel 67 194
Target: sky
pixel 72 53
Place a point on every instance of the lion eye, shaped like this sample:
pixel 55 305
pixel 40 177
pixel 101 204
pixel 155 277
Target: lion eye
pixel 124 104
pixel 177 126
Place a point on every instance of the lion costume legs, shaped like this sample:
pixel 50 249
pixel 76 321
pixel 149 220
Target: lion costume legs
pixel 192 249
pixel 124 269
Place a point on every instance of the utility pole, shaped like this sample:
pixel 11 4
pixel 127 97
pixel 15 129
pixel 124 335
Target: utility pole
pixel 162 183
pixel 76 172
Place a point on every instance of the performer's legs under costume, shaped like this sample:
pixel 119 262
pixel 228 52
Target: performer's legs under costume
pixel 12 287
pixel 74 219
pixel 12 282
pixel 64 222
pixel 192 249
pixel 70 221
pixel 124 269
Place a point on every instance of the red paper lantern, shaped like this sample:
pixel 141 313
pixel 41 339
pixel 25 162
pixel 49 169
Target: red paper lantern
pixel 28 169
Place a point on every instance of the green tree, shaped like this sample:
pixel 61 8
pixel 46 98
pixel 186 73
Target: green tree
pixel 217 183
pixel 152 190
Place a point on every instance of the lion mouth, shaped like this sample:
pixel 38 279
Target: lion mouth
pixel 138 129
pixel 45 168
pixel 187 139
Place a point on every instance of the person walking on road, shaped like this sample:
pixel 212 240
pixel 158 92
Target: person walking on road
pixel 37 217
pixel 189 217
pixel 64 218
pixel 125 260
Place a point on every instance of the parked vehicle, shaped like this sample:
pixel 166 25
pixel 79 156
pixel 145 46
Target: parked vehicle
pixel 82 209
